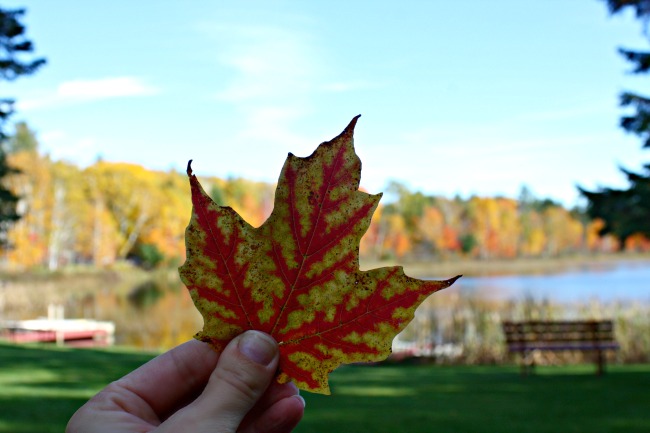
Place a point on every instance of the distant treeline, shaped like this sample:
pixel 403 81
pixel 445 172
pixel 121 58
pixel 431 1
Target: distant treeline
pixel 110 212
pixel 418 225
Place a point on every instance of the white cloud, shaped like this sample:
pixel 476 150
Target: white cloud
pixel 349 86
pixel 270 63
pixel 568 113
pixel 80 91
pixel 275 73
pixel 61 146
pixel 105 88
pixel 53 136
pixel 272 124
pixel 275 79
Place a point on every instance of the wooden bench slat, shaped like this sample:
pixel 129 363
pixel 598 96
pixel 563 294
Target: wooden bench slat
pixel 565 335
pixel 560 347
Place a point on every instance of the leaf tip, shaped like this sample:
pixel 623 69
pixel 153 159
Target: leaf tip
pixel 189 168
pixel 350 128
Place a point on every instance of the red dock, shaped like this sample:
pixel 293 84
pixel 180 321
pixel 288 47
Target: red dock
pixel 69 332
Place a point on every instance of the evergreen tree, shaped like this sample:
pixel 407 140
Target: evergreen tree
pixel 22 140
pixel 627 211
pixel 13 47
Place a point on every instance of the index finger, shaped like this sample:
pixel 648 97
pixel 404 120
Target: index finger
pixel 174 378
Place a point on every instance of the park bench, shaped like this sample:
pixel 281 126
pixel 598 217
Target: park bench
pixel 529 338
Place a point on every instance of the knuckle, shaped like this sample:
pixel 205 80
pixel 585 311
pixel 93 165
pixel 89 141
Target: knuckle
pixel 242 378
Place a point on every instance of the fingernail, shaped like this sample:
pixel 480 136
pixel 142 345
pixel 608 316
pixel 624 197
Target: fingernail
pixel 257 347
pixel 299 397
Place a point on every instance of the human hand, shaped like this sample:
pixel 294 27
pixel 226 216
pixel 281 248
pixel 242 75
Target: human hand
pixel 193 389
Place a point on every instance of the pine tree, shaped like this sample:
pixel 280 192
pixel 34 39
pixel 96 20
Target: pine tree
pixel 13 46
pixel 627 211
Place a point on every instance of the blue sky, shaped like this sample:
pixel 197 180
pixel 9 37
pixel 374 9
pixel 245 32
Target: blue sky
pixel 468 97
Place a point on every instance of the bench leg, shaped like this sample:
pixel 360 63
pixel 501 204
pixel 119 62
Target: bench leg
pixel 527 363
pixel 600 360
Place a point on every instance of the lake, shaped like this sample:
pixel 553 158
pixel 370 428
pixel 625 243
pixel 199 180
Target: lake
pixel 623 281
pixel 159 313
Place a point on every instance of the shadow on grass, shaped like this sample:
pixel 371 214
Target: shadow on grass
pixel 42 386
pixel 23 414
pixel 481 399
pixel 67 368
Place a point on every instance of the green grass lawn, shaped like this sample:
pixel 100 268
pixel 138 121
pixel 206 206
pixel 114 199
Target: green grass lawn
pixel 41 387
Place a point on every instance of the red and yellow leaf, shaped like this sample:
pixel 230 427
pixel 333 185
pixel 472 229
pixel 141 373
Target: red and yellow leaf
pixel 297 276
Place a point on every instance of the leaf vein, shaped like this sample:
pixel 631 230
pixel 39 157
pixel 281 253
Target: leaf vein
pixel 332 171
pixel 234 285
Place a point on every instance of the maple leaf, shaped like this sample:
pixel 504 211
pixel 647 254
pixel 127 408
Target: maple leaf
pixel 297 276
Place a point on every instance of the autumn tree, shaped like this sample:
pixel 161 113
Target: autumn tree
pixel 53 206
pixel 128 200
pixel 32 182
pixel 626 212
pixel 405 229
pixel 14 47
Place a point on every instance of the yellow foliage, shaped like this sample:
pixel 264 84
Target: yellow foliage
pixel 101 214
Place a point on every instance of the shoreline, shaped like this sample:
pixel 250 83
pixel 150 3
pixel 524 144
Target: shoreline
pixel 522 266
pixel 417 268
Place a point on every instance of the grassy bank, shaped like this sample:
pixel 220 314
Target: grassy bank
pixel 41 387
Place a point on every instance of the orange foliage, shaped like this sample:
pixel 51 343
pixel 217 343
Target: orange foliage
pixel 449 239
pixel 396 239
pixel 371 241
pixel 637 243
pixel 495 225
pixel 101 214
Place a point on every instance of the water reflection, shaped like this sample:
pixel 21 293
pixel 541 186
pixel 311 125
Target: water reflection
pixel 156 313
pixel 145 295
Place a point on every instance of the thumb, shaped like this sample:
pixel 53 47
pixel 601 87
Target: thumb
pixel 243 373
